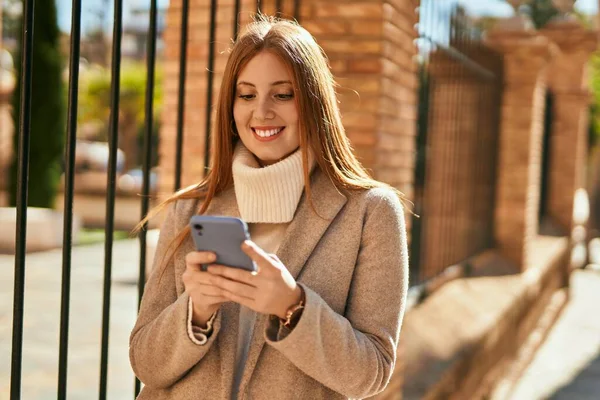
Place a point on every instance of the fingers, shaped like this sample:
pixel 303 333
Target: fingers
pixel 200 257
pixel 210 291
pixel 241 300
pixel 258 255
pixel 230 287
pixel 233 274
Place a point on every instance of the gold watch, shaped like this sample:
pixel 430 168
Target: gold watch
pixel 293 312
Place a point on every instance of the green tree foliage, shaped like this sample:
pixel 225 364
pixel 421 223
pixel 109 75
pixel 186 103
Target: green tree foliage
pixel 11 13
pixel 94 105
pixel 541 11
pixel 48 111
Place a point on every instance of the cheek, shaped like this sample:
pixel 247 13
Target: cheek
pixel 238 116
pixel 291 115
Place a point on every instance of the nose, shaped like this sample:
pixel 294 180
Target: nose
pixel 263 110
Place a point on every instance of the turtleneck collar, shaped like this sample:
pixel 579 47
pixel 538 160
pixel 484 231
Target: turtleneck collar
pixel 269 194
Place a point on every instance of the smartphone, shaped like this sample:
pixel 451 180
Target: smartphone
pixel 224 237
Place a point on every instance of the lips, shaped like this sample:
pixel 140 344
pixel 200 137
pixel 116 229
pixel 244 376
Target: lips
pixel 267 133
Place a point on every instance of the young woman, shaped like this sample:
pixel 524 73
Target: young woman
pixel 321 318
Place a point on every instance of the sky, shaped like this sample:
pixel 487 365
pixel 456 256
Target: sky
pixel 91 8
pixel 89 19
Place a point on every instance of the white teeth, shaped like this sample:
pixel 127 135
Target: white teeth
pixel 267 133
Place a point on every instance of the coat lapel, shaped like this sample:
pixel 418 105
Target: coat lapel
pixel 301 238
pixel 307 228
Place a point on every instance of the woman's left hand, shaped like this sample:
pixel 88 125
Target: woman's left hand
pixel 272 290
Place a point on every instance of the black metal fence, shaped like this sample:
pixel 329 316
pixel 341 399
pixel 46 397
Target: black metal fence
pixel 23 168
pixel 545 170
pixel 458 121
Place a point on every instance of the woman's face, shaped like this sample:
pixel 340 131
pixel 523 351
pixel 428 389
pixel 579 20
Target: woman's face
pixel 264 109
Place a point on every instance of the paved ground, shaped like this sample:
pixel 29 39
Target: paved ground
pixel 42 319
pixel 567 366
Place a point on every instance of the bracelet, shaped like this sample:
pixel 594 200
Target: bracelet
pixel 293 311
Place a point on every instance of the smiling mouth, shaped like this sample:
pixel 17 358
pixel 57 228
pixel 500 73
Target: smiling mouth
pixel 267 134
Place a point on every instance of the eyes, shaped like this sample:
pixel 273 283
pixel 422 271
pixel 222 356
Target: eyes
pixel 278 96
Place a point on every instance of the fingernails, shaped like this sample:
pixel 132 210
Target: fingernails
pixel 212 257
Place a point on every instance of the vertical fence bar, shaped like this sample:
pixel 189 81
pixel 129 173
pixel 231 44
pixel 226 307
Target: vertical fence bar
pixel 210 79
pixel 419 226
pixel 438 18
pixel 22 194
pixel 416 239
pixel 278 7
pixel 451 227
pixel 444 211
pixel 457 148
pixel 297 10
pixel 111 185
pixel 149 119
pixel 493 141
pixel 236 19
pixel 185 8
pixel 464 146
pixel 482 156
pixel 68 205
pixel 476 154
pixel 436 140
pixel 546 154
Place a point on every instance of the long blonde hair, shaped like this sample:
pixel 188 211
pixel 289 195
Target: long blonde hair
pixel 320 123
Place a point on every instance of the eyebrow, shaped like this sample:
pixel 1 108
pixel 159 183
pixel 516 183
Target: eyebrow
pixel 276 83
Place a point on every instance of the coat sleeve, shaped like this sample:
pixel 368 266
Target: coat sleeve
pixel 355 354
pixel 160 348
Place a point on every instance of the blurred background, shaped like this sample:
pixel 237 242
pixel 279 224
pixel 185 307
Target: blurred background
pixel 484 113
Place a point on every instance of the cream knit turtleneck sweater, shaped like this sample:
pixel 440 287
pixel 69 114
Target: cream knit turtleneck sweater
pixel 269 194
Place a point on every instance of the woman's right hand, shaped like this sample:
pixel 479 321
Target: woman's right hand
pixel 206 298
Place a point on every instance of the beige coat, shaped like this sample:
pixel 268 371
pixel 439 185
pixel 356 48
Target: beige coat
pixel 353 266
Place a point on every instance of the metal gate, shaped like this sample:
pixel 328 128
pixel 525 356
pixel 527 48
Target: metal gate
pixel 23 167
pixel 458 127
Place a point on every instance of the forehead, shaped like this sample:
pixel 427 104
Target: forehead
pixel 263 68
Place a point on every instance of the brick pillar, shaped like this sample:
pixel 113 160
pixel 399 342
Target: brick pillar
pixel 370 46
pixel 526 57
pixel 568 80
